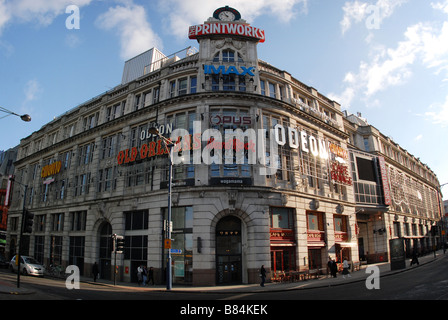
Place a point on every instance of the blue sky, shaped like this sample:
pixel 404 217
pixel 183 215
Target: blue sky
pixel 387 59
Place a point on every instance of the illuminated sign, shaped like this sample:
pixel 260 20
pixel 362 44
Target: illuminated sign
pixel 220 28
pixel 230 70
pixel 51 169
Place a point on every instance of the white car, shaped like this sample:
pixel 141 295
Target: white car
pixel 28 266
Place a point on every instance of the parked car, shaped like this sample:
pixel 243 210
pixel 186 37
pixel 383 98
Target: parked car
pixel 28 266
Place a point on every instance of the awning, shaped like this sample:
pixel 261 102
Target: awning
pixel 347 244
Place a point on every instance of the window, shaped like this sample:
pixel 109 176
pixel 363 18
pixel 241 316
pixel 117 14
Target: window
pixel 272 91
pixel 85 153
pixel 263 87
pixel 136 220
pixel 172 92
pixel 182 233
pixel 109 147
pixel 183 84
pixel 315 221
pixel 57 222
pixel 228 56
pixel 282 218
pixel 107 179
pixel 234 160
pixel 193 84
pixel 91 121
pixel 78 220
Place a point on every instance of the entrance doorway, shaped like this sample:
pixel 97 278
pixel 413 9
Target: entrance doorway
pixel 105 233
pixel 228 251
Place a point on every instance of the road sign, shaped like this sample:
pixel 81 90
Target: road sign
pixel 176 251
pixel 167 243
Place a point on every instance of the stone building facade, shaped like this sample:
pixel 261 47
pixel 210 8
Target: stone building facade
pixel 262 171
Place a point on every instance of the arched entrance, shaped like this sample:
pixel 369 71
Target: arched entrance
pixel 105 233
pixel 228 251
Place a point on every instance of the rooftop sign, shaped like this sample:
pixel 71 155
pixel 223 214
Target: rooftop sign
pixel 226 28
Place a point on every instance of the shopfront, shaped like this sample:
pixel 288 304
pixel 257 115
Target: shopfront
pixel 282 241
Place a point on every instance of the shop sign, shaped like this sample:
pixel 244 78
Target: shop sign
pixel 219 28
pixel 51 169
pixel 230 70
pixel 339 173
pixel 218 119
pixel 282 234
pixel 340 237
pixel 315 236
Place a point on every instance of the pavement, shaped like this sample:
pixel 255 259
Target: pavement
pixel 10 287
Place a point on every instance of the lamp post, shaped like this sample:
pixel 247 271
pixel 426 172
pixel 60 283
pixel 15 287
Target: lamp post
pixel 169 145
pixel 24 117
pixel 22 225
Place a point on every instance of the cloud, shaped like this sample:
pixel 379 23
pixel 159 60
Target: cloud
pixel 440 114
pixel 424 44
pixel 41 11
pixel 32 91
pixel 373 14
pixel 130 23
pixel 179 13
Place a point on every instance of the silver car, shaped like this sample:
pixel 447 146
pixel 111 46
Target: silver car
pixel 28 266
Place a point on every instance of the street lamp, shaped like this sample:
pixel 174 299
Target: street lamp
pixel 169 145
pixel 24 117
pixel 22 225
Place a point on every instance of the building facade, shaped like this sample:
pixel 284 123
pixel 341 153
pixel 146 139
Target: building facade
pixel 396 195
pixel 262 171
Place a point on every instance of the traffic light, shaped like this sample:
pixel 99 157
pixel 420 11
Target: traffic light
pixel 29 221
pixel 120 244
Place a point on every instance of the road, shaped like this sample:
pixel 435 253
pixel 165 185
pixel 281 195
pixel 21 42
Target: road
pixel 427 282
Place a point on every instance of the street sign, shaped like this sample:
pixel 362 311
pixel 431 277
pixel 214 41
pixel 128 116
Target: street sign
pixel 167 243
pixel 176 251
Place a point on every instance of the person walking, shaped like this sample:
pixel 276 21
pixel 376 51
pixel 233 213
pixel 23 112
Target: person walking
pixel 140 275
pixel 151 275
pixel 95 271
pixel 414 258
pixel 345 267
pixel 332 267
pixel 262 275
pixel 144 276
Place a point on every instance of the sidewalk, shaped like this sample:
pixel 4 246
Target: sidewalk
pixel 7 287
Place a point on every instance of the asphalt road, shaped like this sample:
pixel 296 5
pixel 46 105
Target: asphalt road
pixel 428 282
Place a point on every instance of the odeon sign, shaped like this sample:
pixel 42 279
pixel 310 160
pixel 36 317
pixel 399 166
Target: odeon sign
pixel 208 147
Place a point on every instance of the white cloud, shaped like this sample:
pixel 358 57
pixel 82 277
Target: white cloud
pixel 32 91
pixel 130 22
pixel 366 13
pixel 424 44
pixel 41 11
pixel 180 15
pixel 440 114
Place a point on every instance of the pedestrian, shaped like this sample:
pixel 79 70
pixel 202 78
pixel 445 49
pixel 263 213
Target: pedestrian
pixel 414 258
pixel 262 275
pixel 345 267
pixel 139 275
pixel 151 275
pixel 144 276
pixel 95 271
pixel 332 267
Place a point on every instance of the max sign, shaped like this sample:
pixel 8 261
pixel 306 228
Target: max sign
pixel 230 70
